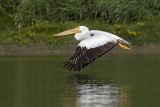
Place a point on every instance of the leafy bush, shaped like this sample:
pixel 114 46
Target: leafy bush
pixel 110 11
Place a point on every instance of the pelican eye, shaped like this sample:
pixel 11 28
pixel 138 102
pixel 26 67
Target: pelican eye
pixel 92 34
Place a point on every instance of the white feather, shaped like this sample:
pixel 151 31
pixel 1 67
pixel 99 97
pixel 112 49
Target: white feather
pixel 110 35
pixel 95 38
pixel 96 41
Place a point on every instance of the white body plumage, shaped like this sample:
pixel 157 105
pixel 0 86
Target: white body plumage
pixel 95 38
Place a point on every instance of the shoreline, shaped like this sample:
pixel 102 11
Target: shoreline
pixel 149 49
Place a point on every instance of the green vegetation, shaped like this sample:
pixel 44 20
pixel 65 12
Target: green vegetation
pixel 27 22
pixel 109 11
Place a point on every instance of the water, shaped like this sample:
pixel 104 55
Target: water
pixel 111 81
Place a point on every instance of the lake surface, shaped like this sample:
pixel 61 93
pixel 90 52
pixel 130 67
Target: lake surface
pixel 111 81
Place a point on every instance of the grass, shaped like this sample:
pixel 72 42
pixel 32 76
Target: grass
pixel 23 12
pixel 40 32
pixel 33 22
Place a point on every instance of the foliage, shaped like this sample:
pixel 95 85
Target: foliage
pixel 109 11
pixel 25 22
pixel 41 32
pixel 8 6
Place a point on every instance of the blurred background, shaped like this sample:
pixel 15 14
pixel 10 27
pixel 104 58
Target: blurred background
pixel 31 59
pixel 33 22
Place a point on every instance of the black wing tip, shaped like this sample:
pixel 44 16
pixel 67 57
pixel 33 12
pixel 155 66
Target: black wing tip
pixel 75 68
pixel 71 67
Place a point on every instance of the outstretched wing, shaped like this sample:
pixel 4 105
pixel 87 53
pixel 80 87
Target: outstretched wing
pixel 87 51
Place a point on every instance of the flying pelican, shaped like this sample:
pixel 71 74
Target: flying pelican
pixel 93 44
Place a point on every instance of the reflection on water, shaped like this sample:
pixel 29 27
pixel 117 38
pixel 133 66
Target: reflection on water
pixel 97 96
pixel 42 82
pixel 92 93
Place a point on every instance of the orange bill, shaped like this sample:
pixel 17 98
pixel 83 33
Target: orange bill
pixel 68 32
pixel 123 46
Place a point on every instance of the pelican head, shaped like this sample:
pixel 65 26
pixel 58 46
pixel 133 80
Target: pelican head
pixel 79 32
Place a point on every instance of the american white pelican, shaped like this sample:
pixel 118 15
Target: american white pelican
pixel 93 44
